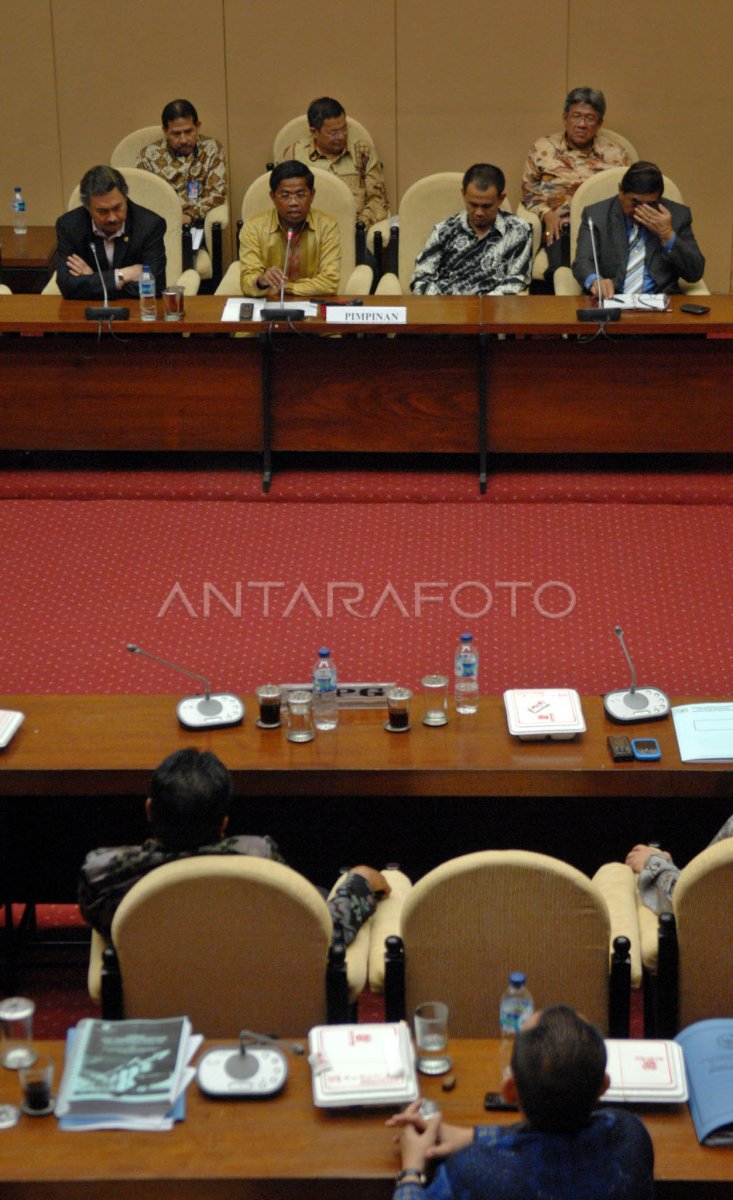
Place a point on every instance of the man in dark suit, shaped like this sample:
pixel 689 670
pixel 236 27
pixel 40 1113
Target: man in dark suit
pixel 126 237
pixel 643 243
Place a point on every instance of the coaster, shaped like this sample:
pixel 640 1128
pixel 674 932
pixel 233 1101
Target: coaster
pixel 39 1112
pixel 436 721
pixel 397 728
pixel 260 725
pixel 9 1116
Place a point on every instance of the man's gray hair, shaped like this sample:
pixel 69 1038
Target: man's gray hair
pixel 586 95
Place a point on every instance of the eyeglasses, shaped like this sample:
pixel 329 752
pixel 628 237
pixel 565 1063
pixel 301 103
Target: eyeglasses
pixel 582 118
pixel 283 197
pixel 332 134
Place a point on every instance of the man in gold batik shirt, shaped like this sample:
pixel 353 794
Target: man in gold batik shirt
pixel 292 235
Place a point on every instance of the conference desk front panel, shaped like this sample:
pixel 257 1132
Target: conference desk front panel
pixel 657 382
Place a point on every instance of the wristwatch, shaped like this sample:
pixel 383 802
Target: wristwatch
pixel 420 1177
pixel 120 279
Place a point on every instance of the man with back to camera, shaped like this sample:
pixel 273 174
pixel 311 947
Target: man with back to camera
pixel 188 810
pixel 308 237
pixel 125 235
pixel 563 1148
pixel 355 162
pixel 193 164
pixel 482 251
pixel 557 165
pixel 644 243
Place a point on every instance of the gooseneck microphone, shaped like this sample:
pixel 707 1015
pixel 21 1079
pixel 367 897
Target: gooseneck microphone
pixel 95 313
pixel 635 704
pixel 196 712
pixel 271 312
pixel 600 314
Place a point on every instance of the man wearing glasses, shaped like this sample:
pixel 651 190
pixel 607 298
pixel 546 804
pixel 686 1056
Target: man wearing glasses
pixel 329 148
pixel 292 244
pixel 557 165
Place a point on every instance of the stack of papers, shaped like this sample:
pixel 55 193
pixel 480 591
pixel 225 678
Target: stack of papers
pixel 704 732
pixel 362 1064
pixel 126 1074
pixel 645 1072
pixel 654 301
pixel 534 713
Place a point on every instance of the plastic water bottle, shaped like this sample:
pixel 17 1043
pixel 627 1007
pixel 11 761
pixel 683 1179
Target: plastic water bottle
pixel 148 306
pixel 515 1009
pixel 325 691
pixel 466 672
pixel 20 219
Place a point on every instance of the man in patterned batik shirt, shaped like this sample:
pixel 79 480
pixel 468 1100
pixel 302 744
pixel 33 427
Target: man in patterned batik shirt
pixel 193 165
pixel 356 162
pixel 557 165
pixel 188 811
pixel 482 251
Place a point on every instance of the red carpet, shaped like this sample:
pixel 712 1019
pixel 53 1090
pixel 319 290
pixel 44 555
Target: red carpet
pixel 240 592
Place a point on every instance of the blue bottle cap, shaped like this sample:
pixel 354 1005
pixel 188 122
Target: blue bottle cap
pixel 466 637
pixel 517 979
pixel 324 652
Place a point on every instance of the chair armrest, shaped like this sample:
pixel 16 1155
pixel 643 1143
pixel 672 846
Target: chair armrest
pixel 394 980
pixel 337 991
pixel 94 971
pixel 52 288
pixel 190 281
pixel 384 227
pixel 566 283
pixel 648 935
pixel 386 922
pixel 230 284
pixel 359 282
pixel 619 990
pixel 699 288
pixel 535 225
pixel 617 884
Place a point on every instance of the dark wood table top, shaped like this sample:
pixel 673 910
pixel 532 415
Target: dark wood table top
pixel 32 249
pixel 284 1148
pixel 109 745
pixel 425 314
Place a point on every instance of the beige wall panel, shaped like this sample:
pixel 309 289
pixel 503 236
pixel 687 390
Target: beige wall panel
pixel 476 82
pixel 117 66
pixel 669 87
pixel 281 56
pixel 29 149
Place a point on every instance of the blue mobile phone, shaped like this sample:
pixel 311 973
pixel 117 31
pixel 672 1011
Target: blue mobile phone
pixel 646 749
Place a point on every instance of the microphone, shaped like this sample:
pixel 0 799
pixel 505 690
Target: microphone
pixel 193 711
pixel 272 312
pixel 95 313
pixel 636 704
pixel 600 314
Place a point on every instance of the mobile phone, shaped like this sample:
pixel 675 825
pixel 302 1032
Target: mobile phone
pixel 697 310
pixel 646 749
pixel 620 748
pixel 495 1102
pixel 246 311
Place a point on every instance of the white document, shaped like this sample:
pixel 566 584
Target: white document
pixel 704 731
pixel 232 306
pixel 643 301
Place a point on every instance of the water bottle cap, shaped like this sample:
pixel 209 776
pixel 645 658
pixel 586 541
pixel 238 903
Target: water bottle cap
pixel 146 266
pixel 466 637
pixel 517 979
pixel 324 652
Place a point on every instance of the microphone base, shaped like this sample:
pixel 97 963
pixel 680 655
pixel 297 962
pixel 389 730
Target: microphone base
pixel 105 313
pixel 271 312
pixel 598 316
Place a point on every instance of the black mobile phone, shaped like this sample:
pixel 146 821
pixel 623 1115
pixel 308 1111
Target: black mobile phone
pixel 245 311
pixel 495 1102
pixel 697 310
pixel 620 748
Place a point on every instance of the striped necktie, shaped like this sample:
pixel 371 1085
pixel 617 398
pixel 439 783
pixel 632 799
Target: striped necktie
pixel 634 281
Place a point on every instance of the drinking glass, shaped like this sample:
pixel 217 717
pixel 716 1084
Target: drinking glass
pixel 435 688
pixel 431 1037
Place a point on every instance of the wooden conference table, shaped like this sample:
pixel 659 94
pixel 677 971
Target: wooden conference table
pixel 26 259
pixel 75 775
pixel 444 382
pixel 285 1149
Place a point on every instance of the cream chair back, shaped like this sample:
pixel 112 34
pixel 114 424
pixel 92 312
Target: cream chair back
pixel 472 920
pixel 231 941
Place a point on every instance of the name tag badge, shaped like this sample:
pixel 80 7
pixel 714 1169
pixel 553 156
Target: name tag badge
pixel 194 189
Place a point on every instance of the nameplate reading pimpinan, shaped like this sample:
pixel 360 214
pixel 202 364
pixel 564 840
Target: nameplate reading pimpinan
pixel 336 314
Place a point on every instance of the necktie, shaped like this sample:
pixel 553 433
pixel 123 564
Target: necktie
pixel 634 281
